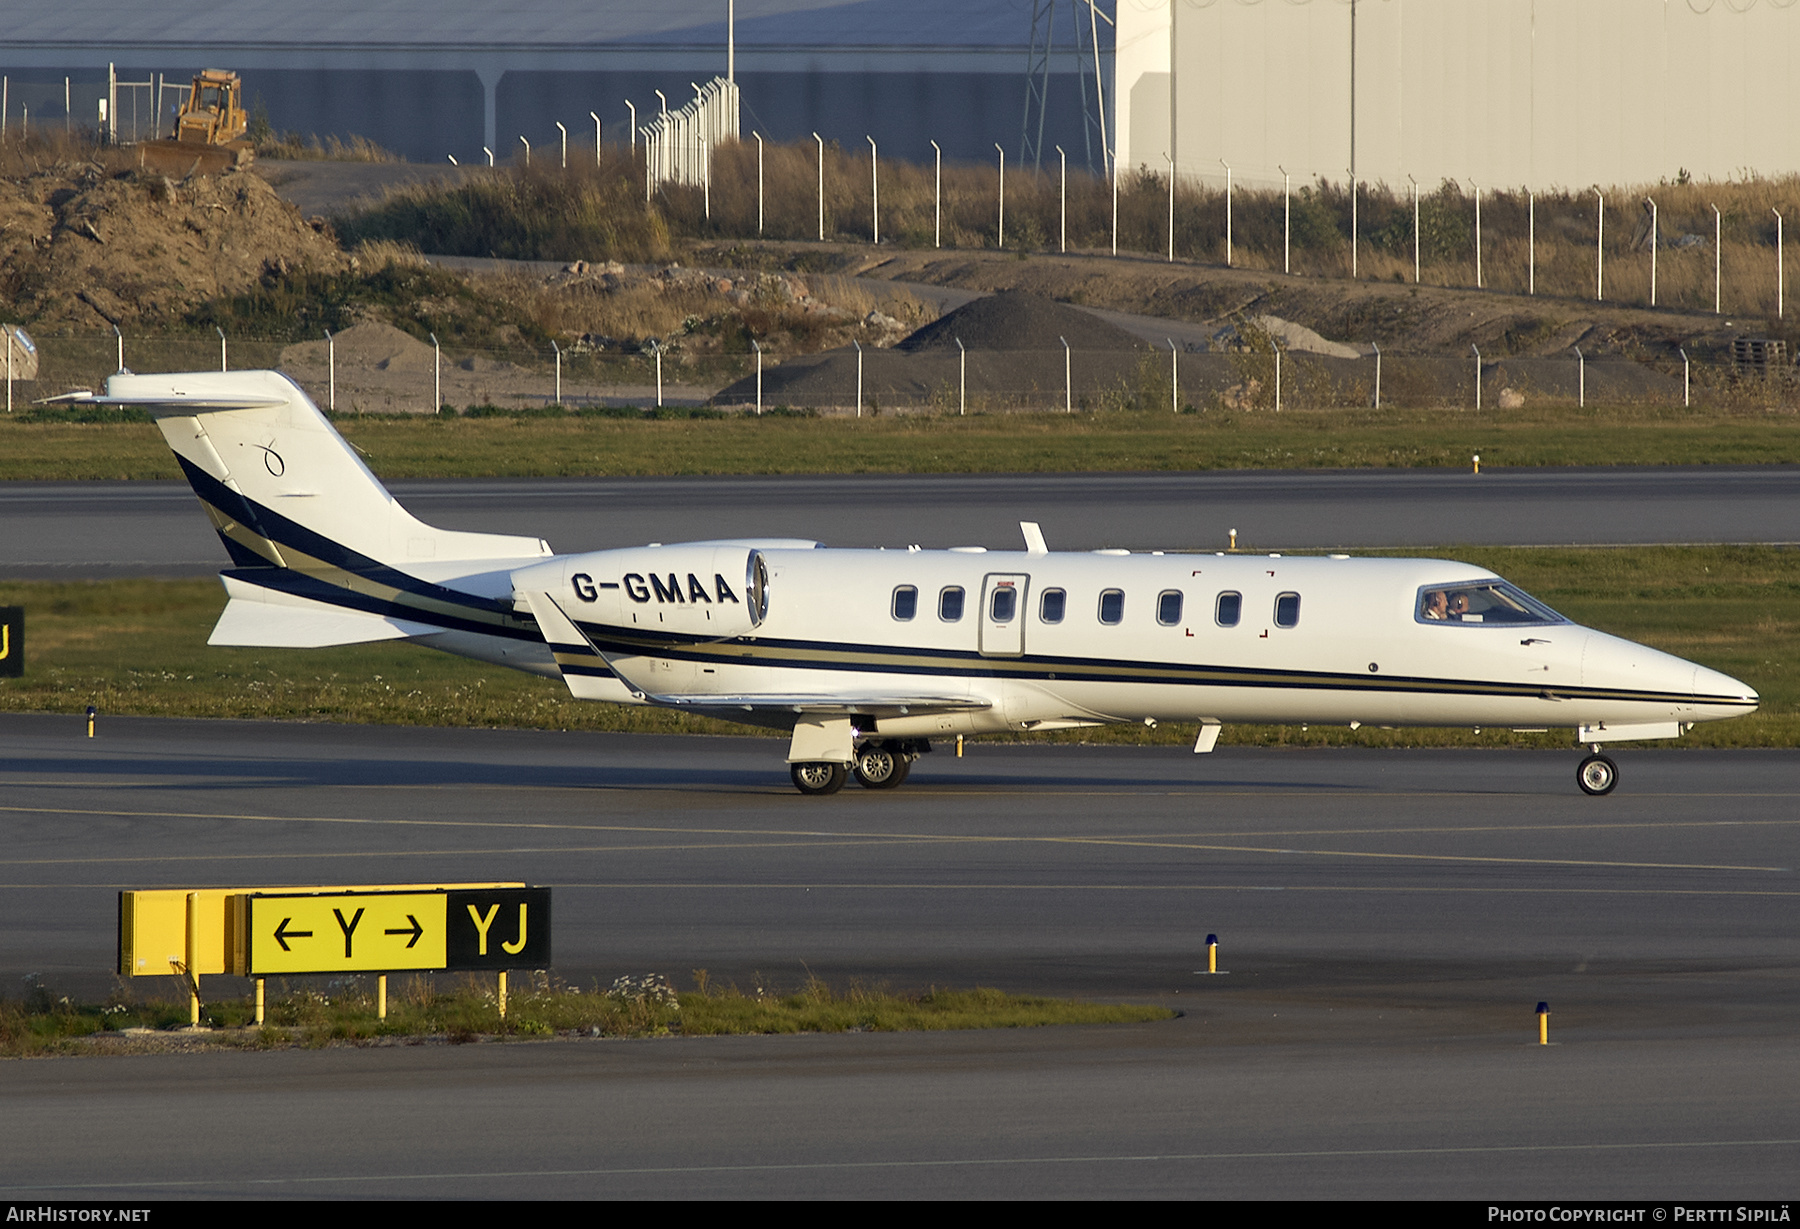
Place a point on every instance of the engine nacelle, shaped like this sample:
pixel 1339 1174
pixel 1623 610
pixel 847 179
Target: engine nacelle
pixel 713 592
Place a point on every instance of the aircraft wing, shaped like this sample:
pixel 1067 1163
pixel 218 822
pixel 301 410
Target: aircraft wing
pixel 588 676
pixel 829 705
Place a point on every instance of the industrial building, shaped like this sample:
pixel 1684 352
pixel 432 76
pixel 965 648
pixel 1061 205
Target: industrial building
pixel 1499 93
pixel 432 78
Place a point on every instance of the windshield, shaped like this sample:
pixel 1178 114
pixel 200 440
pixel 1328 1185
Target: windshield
pixel 1482 601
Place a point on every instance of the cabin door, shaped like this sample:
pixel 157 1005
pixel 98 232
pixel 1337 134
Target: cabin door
pixel 1003 614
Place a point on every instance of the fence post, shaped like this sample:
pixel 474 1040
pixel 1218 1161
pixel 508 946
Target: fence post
pixel 1287 218
pixel 1171 207
pixel 757 346
pixel 1652 205
pixel 1718 263
pixel 437 388
pixel 1684 379
pixel 759 183
pixel 1174 378
pixel 1352 174
pixel 1063 198
pixel 859 370
pixel 1531 242
pixel 1477 376
pixel 874 189
pixel 557 351
pixel 596 120
pixel 1581 377
pixel 962 378
pixel 1002 230
pixel 656 346
pixel 821 141
pixel 937 198
pixel 1779 270
pixel 1227 167
pixel 1068 379
pixel 1479 281
pixel 565 143
pixel 1377 349
pixel 1599 245
pixel 1415 196
pixel 330 371
pixel 223 365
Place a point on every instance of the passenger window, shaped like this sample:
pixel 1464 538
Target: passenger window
pixel 950 604
pixel 1287 610
pixel 1112 606
pixel 1230 609
pixel 1168 607
pixel 1050 608
pixel 1003 604
pixel 906 602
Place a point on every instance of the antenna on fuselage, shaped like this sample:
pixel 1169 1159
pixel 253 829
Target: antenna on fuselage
pixel 1034 538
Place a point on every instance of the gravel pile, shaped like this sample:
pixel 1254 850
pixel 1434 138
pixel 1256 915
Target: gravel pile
pixel 1016 320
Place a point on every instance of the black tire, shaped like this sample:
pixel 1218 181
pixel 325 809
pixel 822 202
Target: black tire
pixel 1597 775
pixel 880 767
pixel 818 777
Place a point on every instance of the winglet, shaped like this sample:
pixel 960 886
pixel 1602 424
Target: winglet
pixel 1034 538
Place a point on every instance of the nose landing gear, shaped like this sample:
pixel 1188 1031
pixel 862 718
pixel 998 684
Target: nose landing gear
pixel 1597 775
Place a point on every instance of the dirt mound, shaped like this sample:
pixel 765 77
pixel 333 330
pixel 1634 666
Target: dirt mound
pixel 367 346
pixel 83 248
pixel 1016 320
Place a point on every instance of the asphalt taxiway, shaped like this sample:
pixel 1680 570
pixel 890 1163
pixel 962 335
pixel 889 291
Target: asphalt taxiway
pixel 99 529
pixel 1388 921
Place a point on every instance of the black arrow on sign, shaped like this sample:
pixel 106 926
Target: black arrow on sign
pixel 415 932
pixel 283 934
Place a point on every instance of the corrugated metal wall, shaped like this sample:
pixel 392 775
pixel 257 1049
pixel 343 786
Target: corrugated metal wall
pixel 1508 93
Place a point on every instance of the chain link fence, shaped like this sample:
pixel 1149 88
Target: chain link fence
pixel 402 375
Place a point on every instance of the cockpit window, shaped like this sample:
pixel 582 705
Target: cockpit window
pixel 1482 601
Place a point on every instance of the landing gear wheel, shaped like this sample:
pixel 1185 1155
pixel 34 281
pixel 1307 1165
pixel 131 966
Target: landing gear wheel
pixel 818 777
pixel 1597 775
pixel 880 767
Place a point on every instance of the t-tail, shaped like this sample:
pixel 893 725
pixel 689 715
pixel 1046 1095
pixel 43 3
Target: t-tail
pixel 322 552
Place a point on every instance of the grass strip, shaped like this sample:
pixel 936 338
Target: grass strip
pixel 1125 440
pixel 452 1009
pixel 139 647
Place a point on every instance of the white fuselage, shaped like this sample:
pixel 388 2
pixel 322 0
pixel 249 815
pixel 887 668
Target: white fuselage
pixel 1138 636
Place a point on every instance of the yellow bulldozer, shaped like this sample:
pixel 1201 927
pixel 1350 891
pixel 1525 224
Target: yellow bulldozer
pixel 209 130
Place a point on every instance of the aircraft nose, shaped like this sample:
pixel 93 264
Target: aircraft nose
pixel 1712 685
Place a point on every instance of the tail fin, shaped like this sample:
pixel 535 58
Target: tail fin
pixel 283 488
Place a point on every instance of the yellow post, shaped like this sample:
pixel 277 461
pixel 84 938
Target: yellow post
pixel 259 1002
pixel 193 942
pixel 959 739
pixel 1212 953
pixel 90 721
pixel 1233 545
pixel 503 994
pixel 1543 1015
pixel 1478 462
pixel 381 997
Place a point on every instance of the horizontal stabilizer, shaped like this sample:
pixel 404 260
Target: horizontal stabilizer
pixel 256 617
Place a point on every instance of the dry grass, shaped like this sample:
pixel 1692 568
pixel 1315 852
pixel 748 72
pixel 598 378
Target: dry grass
pixel 1319 234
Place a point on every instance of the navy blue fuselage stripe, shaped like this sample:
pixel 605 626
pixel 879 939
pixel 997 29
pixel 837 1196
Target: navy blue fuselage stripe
pixel 284 532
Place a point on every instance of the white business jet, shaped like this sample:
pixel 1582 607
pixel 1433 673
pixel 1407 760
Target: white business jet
pixel 866 655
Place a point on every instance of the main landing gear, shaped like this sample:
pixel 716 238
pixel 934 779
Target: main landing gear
pixel 1597 775
pixel 879 764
